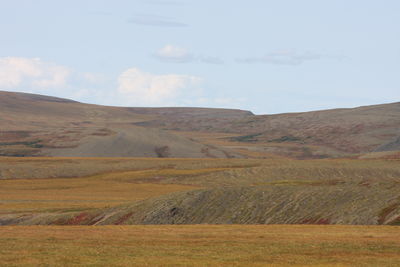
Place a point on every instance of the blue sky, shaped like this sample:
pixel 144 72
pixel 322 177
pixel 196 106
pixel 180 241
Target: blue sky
pixel 261 55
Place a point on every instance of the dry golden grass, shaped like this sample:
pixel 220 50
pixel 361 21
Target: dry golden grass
pixel 106 182
pixel 76 194
pixel 200 245
pixel 93 182
pixel 95 191
pixel 65 167
pixel 114 185
pixel 101 182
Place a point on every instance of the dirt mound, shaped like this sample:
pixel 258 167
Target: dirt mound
pixel 136 142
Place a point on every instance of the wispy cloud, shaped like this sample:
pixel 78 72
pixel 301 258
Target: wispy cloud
pixel 163 3
pixel 176 54
pixel 155 20
pixel 282 57
pixel 211 60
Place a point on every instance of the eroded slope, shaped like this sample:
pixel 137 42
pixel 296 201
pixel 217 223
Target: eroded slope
pixel 211 191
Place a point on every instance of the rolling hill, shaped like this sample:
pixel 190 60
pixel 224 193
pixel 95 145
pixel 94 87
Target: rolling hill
pixel 35 125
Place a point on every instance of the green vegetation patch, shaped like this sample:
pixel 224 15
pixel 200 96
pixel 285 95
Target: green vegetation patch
pixel 246 138
pixel 285 138
pixel 304 182
pixel 33 144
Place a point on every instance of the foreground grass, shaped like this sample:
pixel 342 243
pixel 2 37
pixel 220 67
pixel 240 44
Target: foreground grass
pixel 200 245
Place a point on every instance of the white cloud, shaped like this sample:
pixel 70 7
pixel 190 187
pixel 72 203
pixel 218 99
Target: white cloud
pixel 282 57
pixel 141 88
pixel 132 87
pixel 31 72
pixel 175 54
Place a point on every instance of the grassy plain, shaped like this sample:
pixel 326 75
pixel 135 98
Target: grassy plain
pixel 40 185
pixel 200 245
pixel 78 184
pixel 64 184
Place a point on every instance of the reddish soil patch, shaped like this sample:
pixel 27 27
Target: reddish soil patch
pixel 365 183
pixel 386 211
pixel 124 218
pixel 79 219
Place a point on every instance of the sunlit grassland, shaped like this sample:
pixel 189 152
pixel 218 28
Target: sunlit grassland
pixel 63 184
pixel 75 184
pixel 200 245
pixel 80 193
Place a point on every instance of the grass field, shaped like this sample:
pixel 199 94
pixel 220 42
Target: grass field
pixel 63 184
pixel 200 245
pixel 70 190
pixel 236 190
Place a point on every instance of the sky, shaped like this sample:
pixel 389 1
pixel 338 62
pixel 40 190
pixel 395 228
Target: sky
pixel 267 56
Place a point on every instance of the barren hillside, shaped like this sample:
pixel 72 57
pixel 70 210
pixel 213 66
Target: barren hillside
pixel 34 125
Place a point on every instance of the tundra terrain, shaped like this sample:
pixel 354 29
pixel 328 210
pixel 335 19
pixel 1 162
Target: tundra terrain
pixel 116 191
pixel 35 125
pixel 81 211
pixel 200 245
pixel 196 186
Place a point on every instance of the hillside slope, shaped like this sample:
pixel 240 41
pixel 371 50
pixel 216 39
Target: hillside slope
pixel 264 205
pixel 241 205
pixel 390 146
pixel 108 191
pixel 316 134
pixel 34 125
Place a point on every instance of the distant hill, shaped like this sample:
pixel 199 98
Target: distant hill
pixel 36 125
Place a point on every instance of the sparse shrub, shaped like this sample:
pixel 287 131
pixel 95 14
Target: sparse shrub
pixel 286 138
pixel 246 138
pixel 162 151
